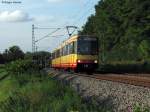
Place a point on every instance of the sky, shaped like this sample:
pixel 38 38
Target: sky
pixel 17 17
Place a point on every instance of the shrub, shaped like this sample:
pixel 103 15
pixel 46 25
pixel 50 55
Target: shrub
pixel 21 66
pixel 127 67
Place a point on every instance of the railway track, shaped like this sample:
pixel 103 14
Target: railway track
pixel 143 81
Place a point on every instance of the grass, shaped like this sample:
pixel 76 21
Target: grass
pixel 36 92
pixel 2 71
pixel 7 85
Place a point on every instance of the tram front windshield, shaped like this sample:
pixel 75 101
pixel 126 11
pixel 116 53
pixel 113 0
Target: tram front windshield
pixel 87 46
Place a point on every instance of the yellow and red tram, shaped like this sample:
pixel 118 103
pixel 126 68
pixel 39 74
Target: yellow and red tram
pixel 77 53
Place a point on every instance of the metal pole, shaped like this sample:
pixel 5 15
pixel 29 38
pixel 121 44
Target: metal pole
pixel 33 39
pixel 36 49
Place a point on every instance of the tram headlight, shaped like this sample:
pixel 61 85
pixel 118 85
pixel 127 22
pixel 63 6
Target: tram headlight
pixel 79 61
pixel 95 61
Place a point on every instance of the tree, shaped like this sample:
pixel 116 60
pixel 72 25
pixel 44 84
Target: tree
pixel 123 29
pixel 13 53
pixel 42 58
pixel 1 59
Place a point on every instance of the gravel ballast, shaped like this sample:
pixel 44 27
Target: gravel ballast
pixel 117 96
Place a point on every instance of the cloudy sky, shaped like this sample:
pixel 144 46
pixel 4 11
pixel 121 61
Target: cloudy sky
pixel 16 20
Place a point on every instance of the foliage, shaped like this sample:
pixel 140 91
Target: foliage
pixel 125 67
pixel 2 61
pixel 41 94
pixel 7 86
pixel 20 66
pixel 122 27
pixel 13 53
pixel 138 108
pixel 42 58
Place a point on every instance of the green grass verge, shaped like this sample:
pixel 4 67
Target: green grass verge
pixel 36 92
pixel 6 87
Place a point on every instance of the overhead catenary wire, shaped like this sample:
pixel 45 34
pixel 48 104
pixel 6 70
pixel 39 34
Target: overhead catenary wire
pixel 40 28
pixel 48 35
pixel 82 16
pixel 78 12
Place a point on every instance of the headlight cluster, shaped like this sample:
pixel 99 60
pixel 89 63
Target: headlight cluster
pixel 95 61
pixel 79 61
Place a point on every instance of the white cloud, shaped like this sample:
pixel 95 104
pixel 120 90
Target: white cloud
pixel 14 16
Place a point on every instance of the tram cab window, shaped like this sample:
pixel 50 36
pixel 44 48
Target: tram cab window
pixel 87 46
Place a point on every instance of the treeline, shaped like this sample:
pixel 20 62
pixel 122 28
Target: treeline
pixel 11 54
pixel 15 53
pixel 123 29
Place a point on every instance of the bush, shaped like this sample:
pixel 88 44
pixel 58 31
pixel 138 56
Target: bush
pixel 21 66
pixel 126 67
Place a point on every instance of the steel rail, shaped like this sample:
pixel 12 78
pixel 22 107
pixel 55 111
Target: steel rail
pixel 141 81
pixel 132 80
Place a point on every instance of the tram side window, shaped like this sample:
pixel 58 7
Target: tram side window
pixel 60 52
pixel 67 50
pixel 75 47
pixel 63 51
pixel 57 53
pixel 53 55
pixel 70 48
